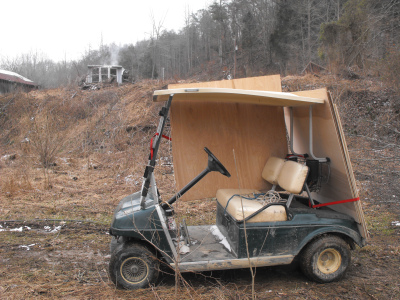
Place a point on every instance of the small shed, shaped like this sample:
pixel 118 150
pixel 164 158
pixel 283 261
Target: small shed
pixel 10 81
pixel 103 73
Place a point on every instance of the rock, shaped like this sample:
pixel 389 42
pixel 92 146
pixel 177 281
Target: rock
pixel 9 157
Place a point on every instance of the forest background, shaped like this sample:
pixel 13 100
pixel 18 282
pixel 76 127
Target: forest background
pixel 242 38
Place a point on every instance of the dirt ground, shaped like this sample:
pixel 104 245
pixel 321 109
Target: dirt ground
pixel 54 221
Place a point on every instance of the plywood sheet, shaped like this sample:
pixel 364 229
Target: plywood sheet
pixel 226 128
pixel 327 142
pixel 236 96
pixel 261 83
pixel 350 169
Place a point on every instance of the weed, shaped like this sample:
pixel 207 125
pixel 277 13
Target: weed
pixel 46 139
pixel 15 182
pixel 371 249
pixel 9 187
pixel 380 224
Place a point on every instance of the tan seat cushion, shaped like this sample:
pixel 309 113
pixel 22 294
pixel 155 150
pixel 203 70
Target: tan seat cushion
pixel 270 173
pixel 273 213
pixel 272 169
pixel 292 177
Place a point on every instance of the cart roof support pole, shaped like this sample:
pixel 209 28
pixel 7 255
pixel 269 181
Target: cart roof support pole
pixel 310 129
pixel 322 159
pixel 152 159
pixel 291 131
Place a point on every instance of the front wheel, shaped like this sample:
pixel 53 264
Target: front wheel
pixel 133 266
pixel 326 259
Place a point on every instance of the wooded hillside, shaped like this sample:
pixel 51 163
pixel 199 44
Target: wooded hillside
pixel 241 38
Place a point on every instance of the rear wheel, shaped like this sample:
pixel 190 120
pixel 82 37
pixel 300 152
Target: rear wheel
pixel 133 266
pixel 326 259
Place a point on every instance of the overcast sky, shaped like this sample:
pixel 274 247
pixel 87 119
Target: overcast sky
pixel 66 28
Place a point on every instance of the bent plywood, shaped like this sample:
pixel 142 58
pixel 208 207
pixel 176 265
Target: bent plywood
pixel 236 95
pixel 261 83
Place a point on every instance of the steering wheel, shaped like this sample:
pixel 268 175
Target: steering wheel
pixel 215 165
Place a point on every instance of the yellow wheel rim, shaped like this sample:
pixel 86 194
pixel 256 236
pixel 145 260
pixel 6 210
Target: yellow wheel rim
pixel 329 261
pixel 134 270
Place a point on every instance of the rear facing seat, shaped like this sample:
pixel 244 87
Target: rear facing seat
pixel 289 175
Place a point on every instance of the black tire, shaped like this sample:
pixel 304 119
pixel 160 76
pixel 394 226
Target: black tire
pixel 133 266
pixel 326 259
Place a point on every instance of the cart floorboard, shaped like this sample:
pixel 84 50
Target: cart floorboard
pixel 209 254
pixel 207 247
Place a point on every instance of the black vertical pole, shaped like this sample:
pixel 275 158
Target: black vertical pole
pixel 152 160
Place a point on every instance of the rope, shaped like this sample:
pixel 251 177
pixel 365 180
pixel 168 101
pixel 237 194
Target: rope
pixel 269 197
pixel 50 220
pixel 262 198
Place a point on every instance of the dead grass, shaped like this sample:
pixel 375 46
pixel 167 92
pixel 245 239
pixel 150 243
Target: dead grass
pixel 75 151
pixel 104 149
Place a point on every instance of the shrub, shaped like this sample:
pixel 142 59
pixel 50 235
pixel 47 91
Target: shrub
pixel 46 138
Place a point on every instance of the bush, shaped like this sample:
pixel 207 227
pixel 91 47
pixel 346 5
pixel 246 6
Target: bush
pixel 45 138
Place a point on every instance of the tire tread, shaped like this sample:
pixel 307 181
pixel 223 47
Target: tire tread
pixel 307 262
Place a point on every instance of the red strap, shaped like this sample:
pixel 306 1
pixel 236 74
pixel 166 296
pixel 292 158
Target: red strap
pixel 336 202
pixel 151 143
pixel 167 137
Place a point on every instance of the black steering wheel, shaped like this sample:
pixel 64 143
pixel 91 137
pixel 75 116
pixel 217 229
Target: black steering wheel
pixel 215 165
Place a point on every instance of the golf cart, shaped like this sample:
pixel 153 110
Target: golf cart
pixel 272 206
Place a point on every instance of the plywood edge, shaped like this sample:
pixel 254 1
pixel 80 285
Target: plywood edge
pixel 321 93
pixel 236 96
pixel 262 83
pixel 357 204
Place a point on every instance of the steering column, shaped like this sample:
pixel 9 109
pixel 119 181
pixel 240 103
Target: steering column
pixel 213 165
